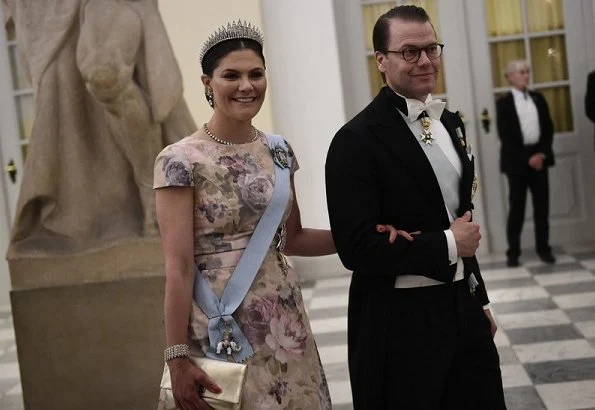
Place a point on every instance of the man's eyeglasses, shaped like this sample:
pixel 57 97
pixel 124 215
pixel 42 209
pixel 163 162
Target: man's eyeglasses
pixel 412 55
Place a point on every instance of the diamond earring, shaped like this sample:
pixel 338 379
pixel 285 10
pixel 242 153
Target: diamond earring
pixel 209 96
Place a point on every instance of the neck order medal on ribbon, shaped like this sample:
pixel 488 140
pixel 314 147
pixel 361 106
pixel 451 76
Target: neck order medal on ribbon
pixel 426 135
pixel 227 344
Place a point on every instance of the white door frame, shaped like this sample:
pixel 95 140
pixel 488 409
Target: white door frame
pixel 9 150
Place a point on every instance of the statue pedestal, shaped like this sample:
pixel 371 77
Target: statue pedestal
pixel 89 327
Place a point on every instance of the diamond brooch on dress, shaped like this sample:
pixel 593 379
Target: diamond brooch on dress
pixel 280 156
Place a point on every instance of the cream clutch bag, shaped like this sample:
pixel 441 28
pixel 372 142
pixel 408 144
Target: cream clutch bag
pixel 229 376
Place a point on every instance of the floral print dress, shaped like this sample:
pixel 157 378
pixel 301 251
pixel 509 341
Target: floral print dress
pixel 232 187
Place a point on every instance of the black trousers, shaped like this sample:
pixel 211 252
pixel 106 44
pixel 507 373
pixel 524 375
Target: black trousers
pixel 441 354
pixel 537 183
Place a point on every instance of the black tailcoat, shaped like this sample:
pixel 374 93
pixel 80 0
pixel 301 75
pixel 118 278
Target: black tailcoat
pixel 377 172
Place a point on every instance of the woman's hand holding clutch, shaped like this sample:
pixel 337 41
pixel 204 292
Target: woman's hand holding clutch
pixel 188 382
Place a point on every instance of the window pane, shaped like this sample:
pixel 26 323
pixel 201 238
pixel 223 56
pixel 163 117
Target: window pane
pixel 503 17
pixel 375 79
pixel 19 77
pixel 548 59
pixel 26 114
pixel 502 53
pixel 545 15
pixel 431 7
pixel 371 12
pixel 558 100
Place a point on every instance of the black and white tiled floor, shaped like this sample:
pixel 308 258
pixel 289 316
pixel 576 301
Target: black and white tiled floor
pixel 546 336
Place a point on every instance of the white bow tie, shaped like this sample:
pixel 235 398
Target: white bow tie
pixel 433 108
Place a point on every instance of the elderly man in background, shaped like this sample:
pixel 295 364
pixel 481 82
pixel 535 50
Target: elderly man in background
pixel 526 131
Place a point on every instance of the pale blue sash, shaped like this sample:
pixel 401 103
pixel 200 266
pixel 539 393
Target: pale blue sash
pixel 220 312
pixel 446 174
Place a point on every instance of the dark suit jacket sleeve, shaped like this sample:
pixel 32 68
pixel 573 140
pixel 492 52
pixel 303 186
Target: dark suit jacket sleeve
pixel 352 185
pixel 590 97
pixel 547 128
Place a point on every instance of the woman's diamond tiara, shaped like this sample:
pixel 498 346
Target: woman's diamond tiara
pixel 233 30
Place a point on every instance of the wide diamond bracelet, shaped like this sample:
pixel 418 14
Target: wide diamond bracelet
pixel 176 351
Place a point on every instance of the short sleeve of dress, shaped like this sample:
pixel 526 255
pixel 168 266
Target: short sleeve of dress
pixel 295 165
pixel 172 168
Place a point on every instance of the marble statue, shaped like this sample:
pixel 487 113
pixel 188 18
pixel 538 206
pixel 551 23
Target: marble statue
pixel 108 98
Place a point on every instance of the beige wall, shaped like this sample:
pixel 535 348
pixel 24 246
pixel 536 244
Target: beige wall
pixel 189 23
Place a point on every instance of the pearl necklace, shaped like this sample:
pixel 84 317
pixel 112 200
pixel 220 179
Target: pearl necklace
pixel 220 141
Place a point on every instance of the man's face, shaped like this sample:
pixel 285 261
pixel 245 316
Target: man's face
pixel 519 79
pixel 412 80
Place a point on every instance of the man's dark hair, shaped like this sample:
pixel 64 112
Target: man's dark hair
pixel 381 32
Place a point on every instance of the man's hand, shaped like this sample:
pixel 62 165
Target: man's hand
pixel 536 161
pixel 466 235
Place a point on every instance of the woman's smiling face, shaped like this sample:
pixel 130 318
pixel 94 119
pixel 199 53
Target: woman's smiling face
pixel 239 85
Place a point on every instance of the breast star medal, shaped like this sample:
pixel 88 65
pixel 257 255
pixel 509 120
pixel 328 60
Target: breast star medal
pixel 426 134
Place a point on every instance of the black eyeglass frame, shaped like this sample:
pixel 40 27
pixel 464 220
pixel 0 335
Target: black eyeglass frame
pixel 418 50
